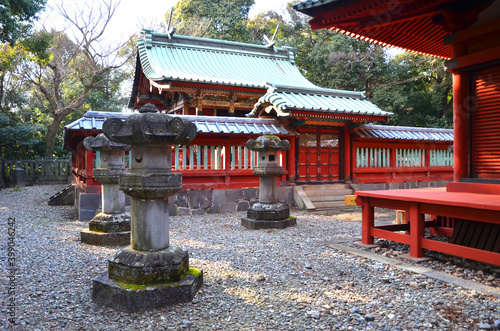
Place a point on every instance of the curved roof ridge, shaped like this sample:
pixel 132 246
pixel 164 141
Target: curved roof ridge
pixel 208 42
pixel 283 102
pixel 317 90
pixel 145 63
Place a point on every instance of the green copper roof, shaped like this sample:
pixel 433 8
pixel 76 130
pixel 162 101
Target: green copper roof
pixel 285 99
pixel 166 59
pixel 208 61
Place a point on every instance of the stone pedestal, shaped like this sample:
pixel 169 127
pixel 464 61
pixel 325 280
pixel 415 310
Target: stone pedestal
pixel 133 298
pixel 111 227
pixel 268 213
pixel 151 273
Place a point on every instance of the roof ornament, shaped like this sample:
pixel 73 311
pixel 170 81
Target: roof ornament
pixel 170 31
pixel 272 42
pixel 146 34
pixel 291 56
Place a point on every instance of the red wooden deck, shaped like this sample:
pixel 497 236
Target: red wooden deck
pixel 474 202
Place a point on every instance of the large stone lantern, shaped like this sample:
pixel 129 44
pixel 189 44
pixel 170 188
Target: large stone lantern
pixel 151 273
pixel 111 227
pixel 268 212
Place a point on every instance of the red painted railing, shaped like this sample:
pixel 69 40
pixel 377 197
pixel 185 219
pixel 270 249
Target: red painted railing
pixel 399 162
pixel 202 167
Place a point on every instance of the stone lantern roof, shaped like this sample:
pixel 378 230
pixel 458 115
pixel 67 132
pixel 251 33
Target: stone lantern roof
pixel 268 143
pixel 101 143
pixel 149 127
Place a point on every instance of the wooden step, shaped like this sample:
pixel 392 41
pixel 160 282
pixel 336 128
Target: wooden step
pixel 322 198
pixel 329 204
pixel 327 196
pixel 325 187
pixel 328 193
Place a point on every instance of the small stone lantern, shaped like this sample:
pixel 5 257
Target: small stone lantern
pixel 111 227
pixel 151 273
pixel 268 212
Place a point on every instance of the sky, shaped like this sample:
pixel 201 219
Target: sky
pixel 132 15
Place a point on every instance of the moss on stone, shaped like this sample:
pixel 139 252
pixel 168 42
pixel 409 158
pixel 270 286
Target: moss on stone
pixel 256 145
pixel 136 287
pixel 132 287
pixel 194 272
pixel 273 138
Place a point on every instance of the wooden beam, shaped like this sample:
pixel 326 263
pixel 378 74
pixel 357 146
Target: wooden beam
pixel 485 56
pixel 216 92
pixel 220 87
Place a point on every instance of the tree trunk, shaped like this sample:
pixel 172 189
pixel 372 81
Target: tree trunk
pixel 52 135
pixel 445 105
pixel 2 181
pixel 2 89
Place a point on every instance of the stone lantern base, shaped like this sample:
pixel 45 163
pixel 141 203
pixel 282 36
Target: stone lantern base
pixel 107 230
pixel 138 280
pixel 149 267
pixel 133 298
pixel 268 216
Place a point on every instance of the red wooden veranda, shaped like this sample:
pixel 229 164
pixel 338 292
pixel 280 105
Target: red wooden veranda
pixel 459 201
pixel 465 33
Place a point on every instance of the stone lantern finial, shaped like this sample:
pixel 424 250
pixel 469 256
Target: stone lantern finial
pixel 148 108
pixel 101 143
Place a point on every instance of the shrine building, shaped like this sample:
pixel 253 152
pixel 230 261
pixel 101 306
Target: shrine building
pixel 234 91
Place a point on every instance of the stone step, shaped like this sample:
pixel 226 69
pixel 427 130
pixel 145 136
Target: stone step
pixel 64 197
pixel 328 193
pixel 329 204
pixel 315 199
pixel 325 196
pixel 324 187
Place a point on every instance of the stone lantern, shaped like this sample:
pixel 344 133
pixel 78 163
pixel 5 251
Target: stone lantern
pixel 151 273
pixel 268 212
pixel 111 227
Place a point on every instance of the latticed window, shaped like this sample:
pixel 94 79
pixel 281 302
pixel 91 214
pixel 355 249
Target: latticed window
pixel 308 140
pixel 211 157
pixel 441 158
pixel 410 157
pixel 373 157
pixel 329 140
pixel 197 157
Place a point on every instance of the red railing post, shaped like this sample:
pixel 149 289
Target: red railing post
pixel 227 164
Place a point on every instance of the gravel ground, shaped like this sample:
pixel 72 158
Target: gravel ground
pixel 254 280
pixel 455 266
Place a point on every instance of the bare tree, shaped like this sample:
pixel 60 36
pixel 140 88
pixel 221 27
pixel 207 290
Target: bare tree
pixel 79 63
